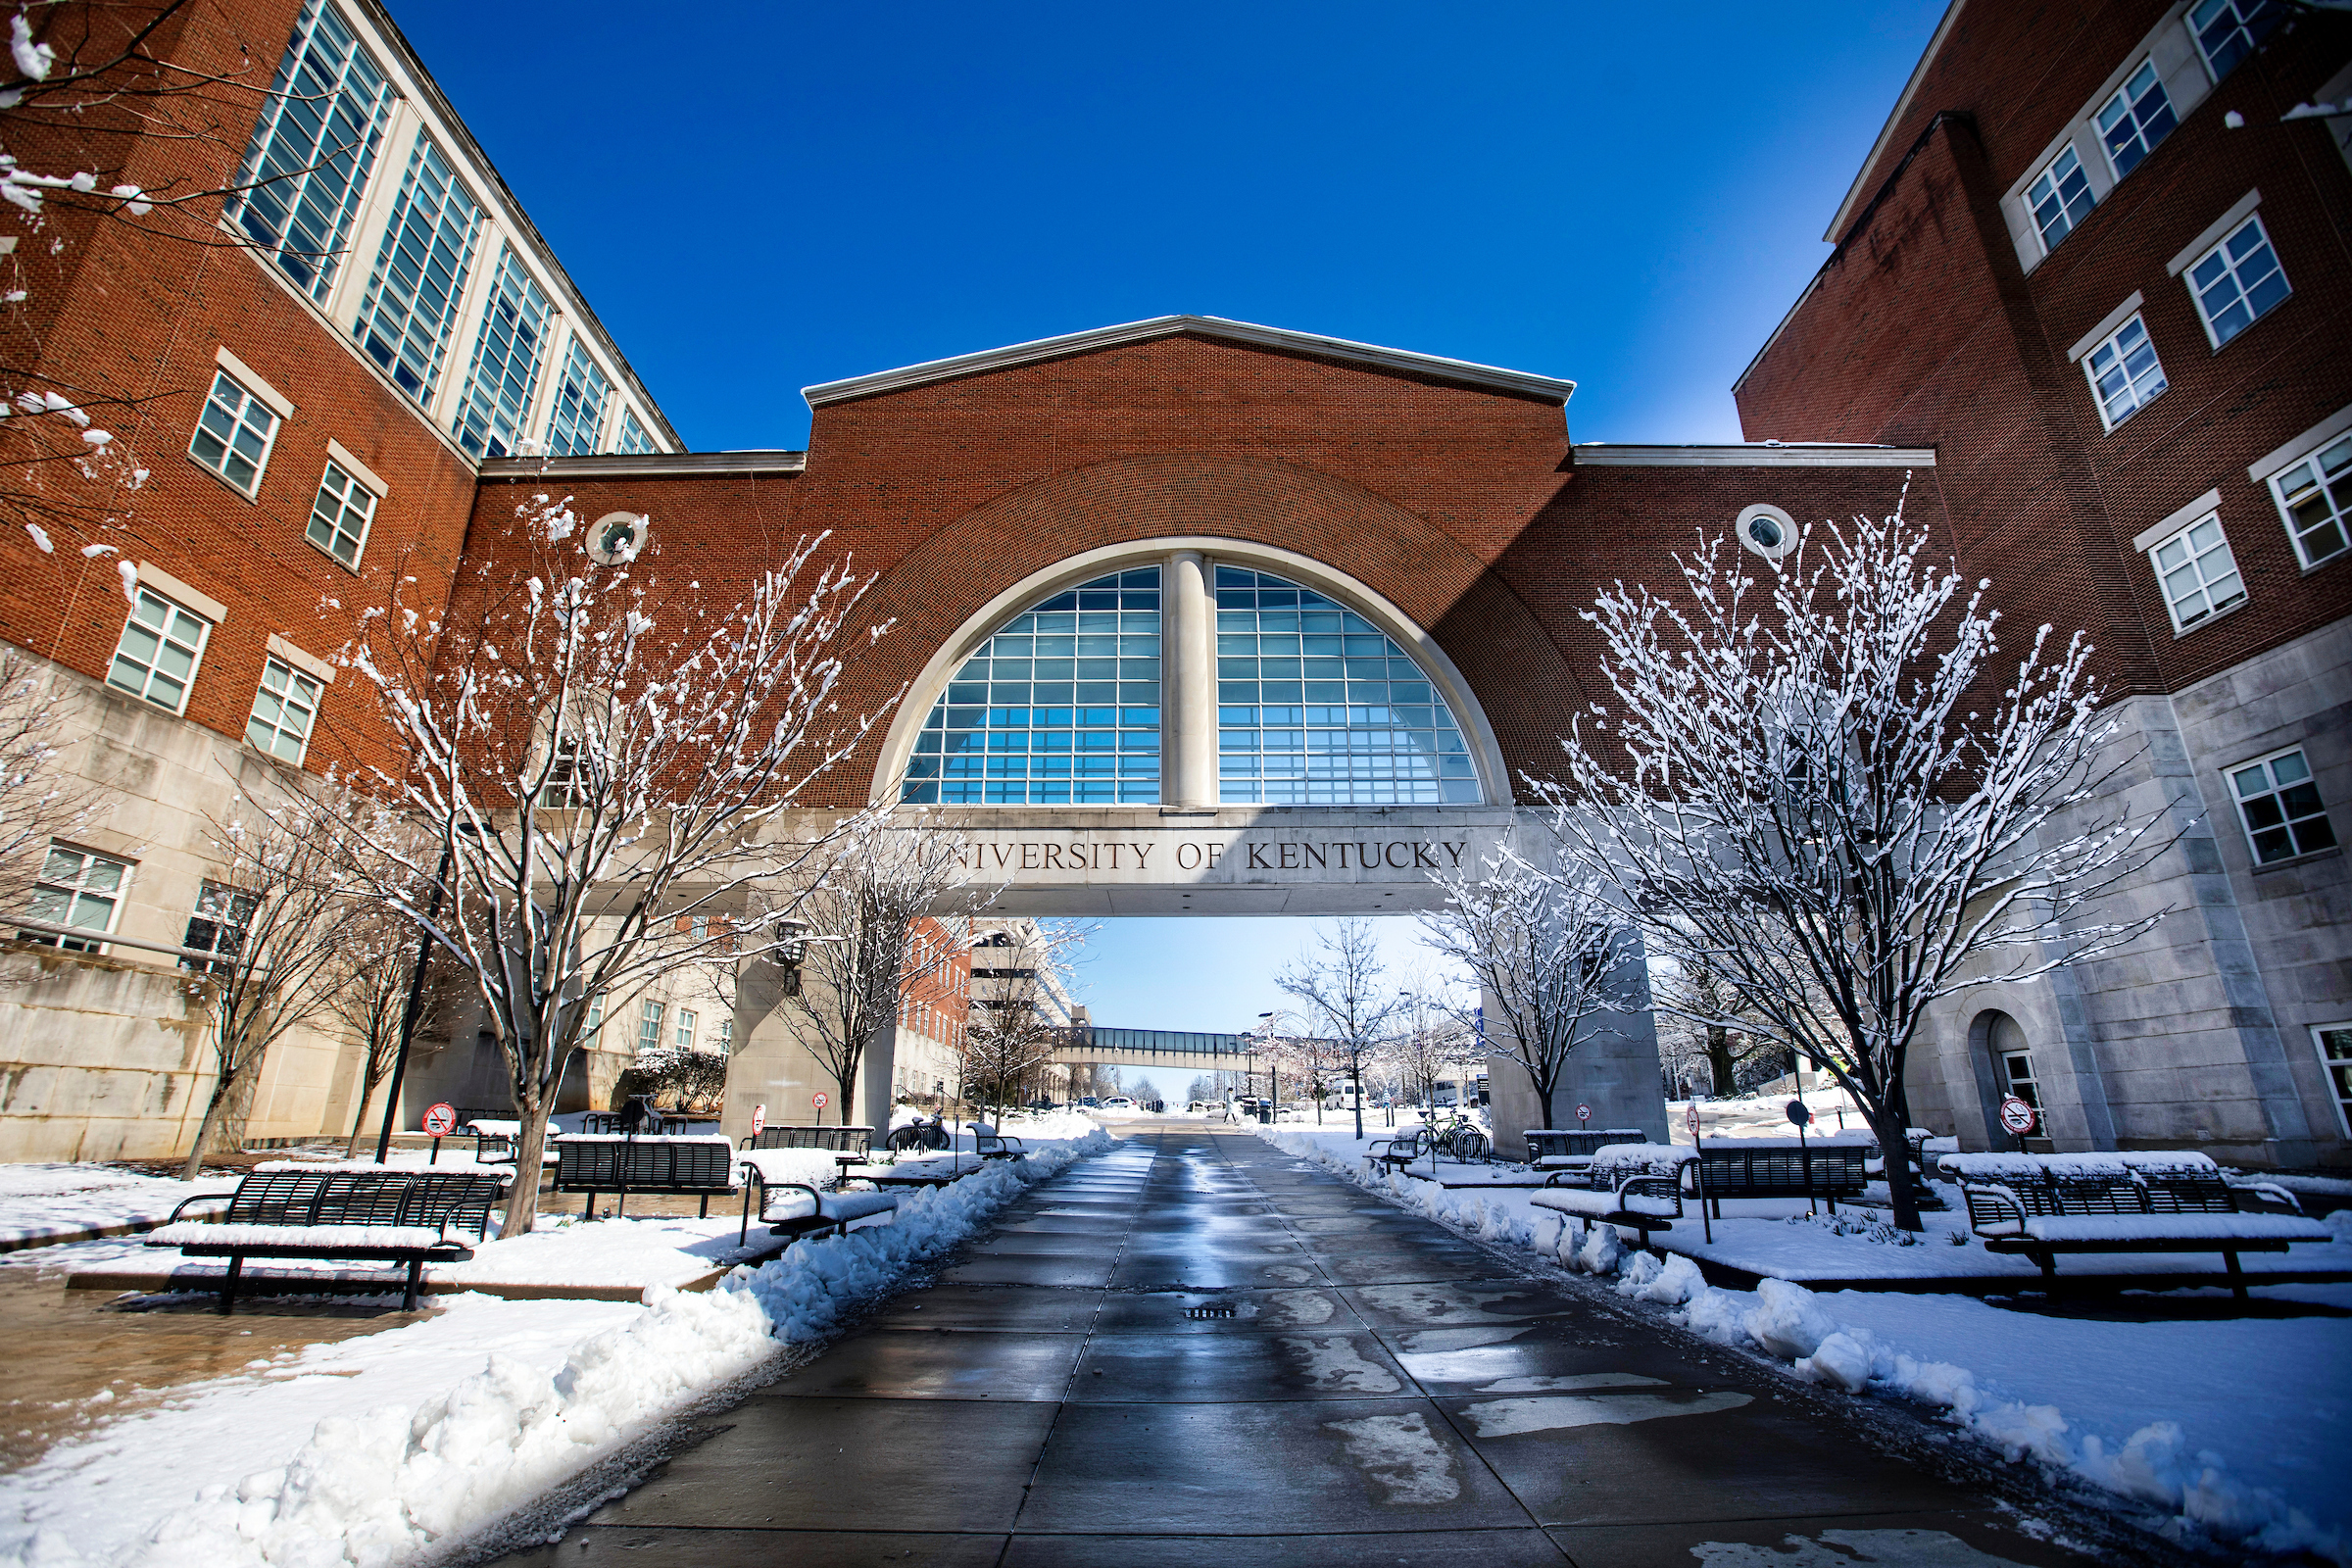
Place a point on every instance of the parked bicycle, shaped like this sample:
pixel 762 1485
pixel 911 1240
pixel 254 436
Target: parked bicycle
pixel 1459 1137
pixel 920 1134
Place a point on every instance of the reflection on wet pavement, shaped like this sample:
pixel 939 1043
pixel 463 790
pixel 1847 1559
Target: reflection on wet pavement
pixel 1200 1349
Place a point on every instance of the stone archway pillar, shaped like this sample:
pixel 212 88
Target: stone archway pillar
pixel 1189 673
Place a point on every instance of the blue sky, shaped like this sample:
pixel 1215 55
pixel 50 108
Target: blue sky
pixel 755 198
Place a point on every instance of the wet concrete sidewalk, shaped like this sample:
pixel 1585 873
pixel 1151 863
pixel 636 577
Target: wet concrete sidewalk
pixel 1200 1349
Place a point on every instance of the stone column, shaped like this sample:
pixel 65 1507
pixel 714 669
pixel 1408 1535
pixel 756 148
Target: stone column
pixel 1189 717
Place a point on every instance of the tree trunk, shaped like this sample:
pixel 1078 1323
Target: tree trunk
pixel 1886 1122
pixel 1357 1077
pixel 359 1121
pixel 222 1132
pixel 1720 1063
pixel 530 1148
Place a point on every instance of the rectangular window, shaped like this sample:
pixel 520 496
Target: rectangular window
pixel 2134 121
pixel 2226 31
pixel 419 272
pixel 593 1037
pixel 233 433
pixel 579 412
pixel 219 926
pixel 2316 498
pixel 2124 372
pixel 648 1027
pixel 567 787
pixel 2282 808
pixel 2198 573
pixel 2334 1041
pixel 283 706
pixel 686 1023
pixel 727 1034
pixel 506 352
pixel 2060 198
pixel 632 437
pixel 78 888
pixel 2238 281
pixel 313 149
pixel 341 516
pixel 162 645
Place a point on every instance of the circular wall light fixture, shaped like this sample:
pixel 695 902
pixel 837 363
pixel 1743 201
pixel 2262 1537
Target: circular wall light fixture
pixel 1766 530
pixel 618 537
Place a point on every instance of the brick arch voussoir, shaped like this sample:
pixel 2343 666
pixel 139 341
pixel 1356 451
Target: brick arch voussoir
pixel 1512 666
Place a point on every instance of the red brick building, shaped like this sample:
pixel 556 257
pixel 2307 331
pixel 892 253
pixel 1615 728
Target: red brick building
pixel 1187 615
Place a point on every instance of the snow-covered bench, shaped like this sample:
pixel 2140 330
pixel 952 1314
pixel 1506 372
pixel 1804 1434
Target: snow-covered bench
pixel 1569 1150
pixel 698 1165
pixel 993 1144
pixel 370 1215
pixel 1831 1166
pixel 2039 1206
pixel 797 1209
pixel 1640 1202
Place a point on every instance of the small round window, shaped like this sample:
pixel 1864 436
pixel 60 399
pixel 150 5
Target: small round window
pixel 1766 530
pixel 617 537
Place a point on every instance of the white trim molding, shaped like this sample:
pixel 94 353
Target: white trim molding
pixel 2215 233
pixel 356 468
pixel 914 710
pixel 2107 325
pixel 163 582
pixel 318 669
pixel 2302 446
pixel 1372 356
pixel 1755 455
pixel 246 376
pixel 2197 510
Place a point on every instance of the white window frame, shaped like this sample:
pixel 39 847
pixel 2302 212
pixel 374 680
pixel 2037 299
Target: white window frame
pixel 297 683
pixel 592 1034
pixel 2315 462
pixel 2113 344
pixel 686 1021
pixel 162 634
pixel 239 420
pixel 2122 95
pixel 2196 561
pixel 2327 1067
pixel 2188 277
pixel 649 1026
pixel 74 891
pixel 2189 20
pixel 355 483
pixel 2310 776
pixel 227 911
pixel 2050 172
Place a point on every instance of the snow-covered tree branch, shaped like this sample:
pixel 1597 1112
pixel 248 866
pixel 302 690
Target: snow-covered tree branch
pixel 1826 794
pixel 604 765
pixel 1341 1001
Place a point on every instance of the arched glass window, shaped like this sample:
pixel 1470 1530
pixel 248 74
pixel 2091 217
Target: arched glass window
pixel 1317 707
pixel 1060 708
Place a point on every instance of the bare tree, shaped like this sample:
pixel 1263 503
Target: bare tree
pixel 605 766
pixel 273 916
pixel 1013 1029
pixel 860 914
pixel 1337 986
pixel 1431 1035
pixel 1826 789
pixel 39 800
pixel 1549 953
pixel 369 993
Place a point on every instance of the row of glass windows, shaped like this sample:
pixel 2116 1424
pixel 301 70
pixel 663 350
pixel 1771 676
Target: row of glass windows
pixel 1316 706
pixel 312 152
pixel 156 661
pixel 2235 284
pixel 2196 568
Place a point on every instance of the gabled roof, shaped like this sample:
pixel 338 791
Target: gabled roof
pixel 1397 360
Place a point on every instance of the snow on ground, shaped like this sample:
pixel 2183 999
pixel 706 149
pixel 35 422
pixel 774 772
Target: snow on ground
pixel 58 1199
pixel 421 1435
pixel 2241 1427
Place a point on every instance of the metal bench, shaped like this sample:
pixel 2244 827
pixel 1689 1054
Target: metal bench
pixel 655 1125
pixel 993 1144
pixel 1777 1167
pixel 812 1213
pixel 1398 1153
pixel 1643 1204
pixel 371 1215
pixel 1568 1151
pixel 851 1146
pixel 697 1166
pixel 2039 1206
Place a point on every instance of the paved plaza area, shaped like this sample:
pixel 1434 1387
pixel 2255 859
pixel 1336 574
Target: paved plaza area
pixel 1197 1348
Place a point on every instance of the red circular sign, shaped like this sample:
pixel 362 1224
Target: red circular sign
pixel 759 1121
pixel 2017 1115
pixel 1583 1114
pixel 1690 1115
pixel 820 1099
pixel 440 1120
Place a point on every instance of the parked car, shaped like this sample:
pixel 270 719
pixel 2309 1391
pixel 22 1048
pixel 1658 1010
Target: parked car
pixel 1041 1105
pixel 1118 1102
